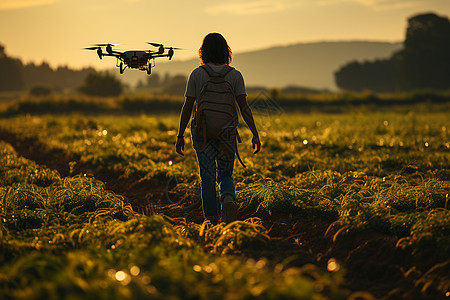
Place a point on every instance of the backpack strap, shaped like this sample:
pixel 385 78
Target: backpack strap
pixel 223 72
pixel 208 69
pixel 238 140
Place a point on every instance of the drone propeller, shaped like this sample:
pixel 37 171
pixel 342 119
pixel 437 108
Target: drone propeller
pixel 171 51
pixel 99 50
pixel 106 45
pixel 155 44
pixel 161 45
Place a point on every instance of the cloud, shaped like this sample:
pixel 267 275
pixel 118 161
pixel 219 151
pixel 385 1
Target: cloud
pixel 18 4
pixel 378 5
pixel 248 8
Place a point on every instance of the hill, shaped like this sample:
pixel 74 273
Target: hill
pixel 306 64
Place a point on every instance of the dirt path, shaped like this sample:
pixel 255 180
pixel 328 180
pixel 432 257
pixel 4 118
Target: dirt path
pixel 372 261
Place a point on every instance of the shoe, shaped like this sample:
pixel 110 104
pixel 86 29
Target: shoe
pixel 229 212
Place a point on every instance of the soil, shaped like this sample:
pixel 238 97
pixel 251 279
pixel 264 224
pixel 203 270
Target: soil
pixel 371 259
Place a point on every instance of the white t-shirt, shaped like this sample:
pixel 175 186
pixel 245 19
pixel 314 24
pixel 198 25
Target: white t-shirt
pixel 198 78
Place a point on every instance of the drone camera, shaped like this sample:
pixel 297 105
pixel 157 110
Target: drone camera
pixel 134 61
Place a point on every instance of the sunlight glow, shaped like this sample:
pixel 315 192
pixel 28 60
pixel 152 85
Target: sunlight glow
pixel 120 275
pixel 18 4
pixel 135 270
pixel 246 8
pixel 123 277
pixel 377 5
pixel 333 266
pixel 281 22
pixel 197 268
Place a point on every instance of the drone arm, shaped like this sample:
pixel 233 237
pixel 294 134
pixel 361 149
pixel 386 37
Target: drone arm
pixel 115 54
pixel 160 55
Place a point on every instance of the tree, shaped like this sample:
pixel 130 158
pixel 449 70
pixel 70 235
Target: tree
pixel 423 63
pixel 425 60
pixel 103 85
pixel 11 73
pixel 379 76
pixel 175 85
pixel 154 80
pixel 60 78
pixel 38 74
pixel 40 90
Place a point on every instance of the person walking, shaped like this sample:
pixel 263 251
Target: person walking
pixel 214 88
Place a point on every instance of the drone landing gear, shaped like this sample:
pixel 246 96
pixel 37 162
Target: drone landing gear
pixel 122 68
pixel 151 64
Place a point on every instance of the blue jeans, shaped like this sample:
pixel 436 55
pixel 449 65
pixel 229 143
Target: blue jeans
pixel 215 166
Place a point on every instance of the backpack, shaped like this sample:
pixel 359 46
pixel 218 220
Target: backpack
pixel 216 115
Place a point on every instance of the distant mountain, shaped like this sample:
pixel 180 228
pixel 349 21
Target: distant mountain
pixel 306 64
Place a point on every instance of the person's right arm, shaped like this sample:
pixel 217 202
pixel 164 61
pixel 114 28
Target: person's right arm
pixel 247 115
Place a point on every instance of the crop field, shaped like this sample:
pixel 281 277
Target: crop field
pixel 348 204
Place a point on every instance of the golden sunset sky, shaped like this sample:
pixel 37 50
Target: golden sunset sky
pixel 56 30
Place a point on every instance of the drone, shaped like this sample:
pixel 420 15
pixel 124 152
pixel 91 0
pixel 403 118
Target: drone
pixel 134 59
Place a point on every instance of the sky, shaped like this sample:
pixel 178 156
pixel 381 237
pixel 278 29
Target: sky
pixel 56 31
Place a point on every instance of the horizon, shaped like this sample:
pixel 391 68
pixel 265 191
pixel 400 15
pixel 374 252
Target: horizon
pixel 55 31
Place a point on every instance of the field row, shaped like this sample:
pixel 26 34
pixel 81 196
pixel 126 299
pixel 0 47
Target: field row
pixel 358 172
pixel 68 238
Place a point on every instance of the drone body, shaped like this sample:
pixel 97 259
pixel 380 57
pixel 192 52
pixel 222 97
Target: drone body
pixel 134 59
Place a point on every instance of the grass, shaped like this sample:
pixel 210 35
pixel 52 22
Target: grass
pixel 71 239
pixel 386 171
pixel 17 103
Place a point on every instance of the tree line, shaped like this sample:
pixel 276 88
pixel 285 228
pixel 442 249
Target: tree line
pixel 167 84
pixel 42 79
pixel 15 75
pixel 423 63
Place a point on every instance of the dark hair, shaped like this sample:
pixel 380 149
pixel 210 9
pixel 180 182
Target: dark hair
pixel 215 49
